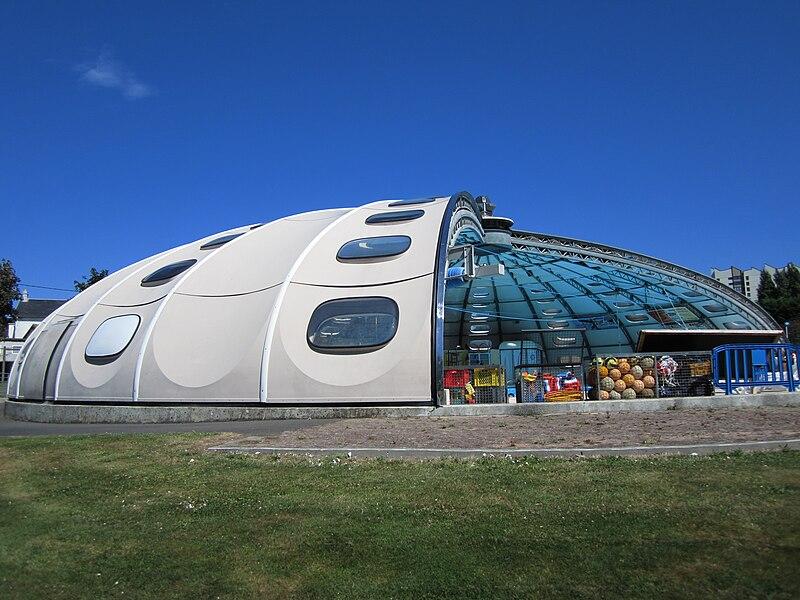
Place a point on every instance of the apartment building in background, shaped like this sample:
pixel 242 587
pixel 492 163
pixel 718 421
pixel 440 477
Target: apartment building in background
pixel 744 281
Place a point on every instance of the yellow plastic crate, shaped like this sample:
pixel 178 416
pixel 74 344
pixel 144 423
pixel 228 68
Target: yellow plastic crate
pixel 489 377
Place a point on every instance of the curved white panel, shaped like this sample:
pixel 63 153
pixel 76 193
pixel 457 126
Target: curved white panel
pixel 131 292
pixel 200 340
pixel 321 266
pixel 399 371
pixel 259 260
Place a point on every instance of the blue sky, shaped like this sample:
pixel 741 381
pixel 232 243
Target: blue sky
pixel 671 129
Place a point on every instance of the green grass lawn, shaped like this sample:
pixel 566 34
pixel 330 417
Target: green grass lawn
pixel 157 517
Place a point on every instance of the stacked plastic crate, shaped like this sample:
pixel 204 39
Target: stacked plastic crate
pixel 475 385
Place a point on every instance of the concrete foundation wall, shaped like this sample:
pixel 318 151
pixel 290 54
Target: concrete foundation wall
pixel 75 413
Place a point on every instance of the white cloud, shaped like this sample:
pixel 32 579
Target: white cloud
pixel 109 73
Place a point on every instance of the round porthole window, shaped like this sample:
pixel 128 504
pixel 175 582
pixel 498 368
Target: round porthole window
pixel 220 241
pixel 398 216
pixel 374 247
pixel 111 338
pixel 353 325
pixel 164 274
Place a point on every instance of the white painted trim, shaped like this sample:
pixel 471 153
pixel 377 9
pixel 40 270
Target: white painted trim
pixel 276 307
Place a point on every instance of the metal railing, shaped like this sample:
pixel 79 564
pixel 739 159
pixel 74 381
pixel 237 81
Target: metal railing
pixel 755 365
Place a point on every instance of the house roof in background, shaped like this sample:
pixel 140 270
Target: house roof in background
pixel 37 310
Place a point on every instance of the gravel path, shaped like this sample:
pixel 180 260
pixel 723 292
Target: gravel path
pixel 568 430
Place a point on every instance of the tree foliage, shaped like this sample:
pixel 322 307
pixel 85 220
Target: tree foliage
pixel 93 277
pixel 780 297
pixel 9 293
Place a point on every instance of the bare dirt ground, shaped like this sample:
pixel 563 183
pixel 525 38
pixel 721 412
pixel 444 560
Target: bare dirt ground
pixel 563 431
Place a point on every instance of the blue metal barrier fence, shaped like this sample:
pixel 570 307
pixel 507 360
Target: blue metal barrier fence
pixel 751 365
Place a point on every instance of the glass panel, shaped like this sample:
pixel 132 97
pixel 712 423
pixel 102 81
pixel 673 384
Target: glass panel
pixel 552 311
pixel 623 304
pixel 354 324
pixel 411 202
pixel 394 217
pixel 112 337
pixel 479 329
pixel 374 247
pixel 220 241
pixel 736 325
pixel 164 274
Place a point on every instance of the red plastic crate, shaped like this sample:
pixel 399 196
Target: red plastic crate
pixel 456 378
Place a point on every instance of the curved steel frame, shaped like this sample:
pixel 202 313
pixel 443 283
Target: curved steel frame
pixel 457 202
pixel 568 247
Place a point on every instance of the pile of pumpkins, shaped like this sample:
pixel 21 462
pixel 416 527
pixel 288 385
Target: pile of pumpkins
pixel 622 378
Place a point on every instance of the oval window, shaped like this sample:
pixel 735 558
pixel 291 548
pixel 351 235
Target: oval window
pixel 353 325
pixel 565 341
pixel 736 325
pixel 411 202
pixel 480 345
pixel 164 274
pixel 715 307
pixel 479 329
pixel 552 311
pixel 374 247
pixel 692 294
pixel 220 241
pixel 478 317
pixel 623 304
pixel 480 292
pixel 637 317
pixel 111 338
pixel 398 216
pixel 558 324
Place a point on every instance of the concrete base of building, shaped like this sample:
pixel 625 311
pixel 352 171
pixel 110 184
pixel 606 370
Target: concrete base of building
pixel 42 412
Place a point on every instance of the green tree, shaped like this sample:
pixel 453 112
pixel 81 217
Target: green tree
pixel 766 288
pixel 9 293
pixel 780 297
pixel 93 277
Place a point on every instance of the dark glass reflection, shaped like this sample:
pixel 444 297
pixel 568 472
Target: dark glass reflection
pixel 220 241
pixel 353 325
pixel 412 202
pixel 394 217
pixel 164 274
pixel 374 247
